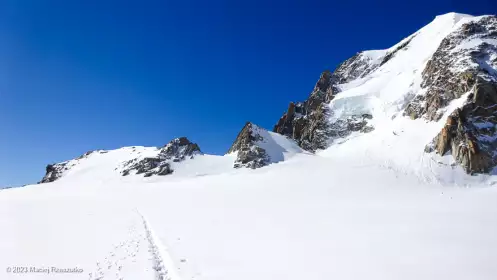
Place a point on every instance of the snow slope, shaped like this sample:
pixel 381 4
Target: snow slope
pixel 277 146
pixel 310 218
pixel 384 92
pixel 397 141
pixel 106 165
pixel 372 206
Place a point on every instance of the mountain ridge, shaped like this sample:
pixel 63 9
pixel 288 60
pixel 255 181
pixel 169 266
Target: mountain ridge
pixel 434 74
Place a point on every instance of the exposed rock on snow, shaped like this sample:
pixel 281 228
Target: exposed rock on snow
pixel 401 46
pixel 256 147
pixel 344 127
pixel 177 150
pixel 308 123
pixel 57 170
pixel 466 61
pixel 470 132
pixel 359 66
pixel 249 154
pixel 426 75
pixel 53 172
pixel 465 55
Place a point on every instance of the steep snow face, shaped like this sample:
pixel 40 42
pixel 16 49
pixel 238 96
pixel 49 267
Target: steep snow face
pixel 367 90
pixel 385 92
pixel 430 73
pixel 467 55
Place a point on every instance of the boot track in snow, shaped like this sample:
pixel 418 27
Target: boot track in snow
pixel 163 264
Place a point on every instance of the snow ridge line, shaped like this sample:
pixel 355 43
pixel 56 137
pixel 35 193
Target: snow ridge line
pixel 162 260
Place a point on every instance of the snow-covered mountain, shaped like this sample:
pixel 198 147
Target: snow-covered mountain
pixel 255 147
pixel 444 75
pixel 362 180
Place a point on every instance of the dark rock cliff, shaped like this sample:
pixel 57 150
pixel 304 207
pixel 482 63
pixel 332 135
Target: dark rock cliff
pixel 308 122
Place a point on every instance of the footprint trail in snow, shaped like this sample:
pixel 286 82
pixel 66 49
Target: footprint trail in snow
pixel 138 255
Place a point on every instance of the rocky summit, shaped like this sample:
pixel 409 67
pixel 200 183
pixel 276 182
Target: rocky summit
pixel 248 153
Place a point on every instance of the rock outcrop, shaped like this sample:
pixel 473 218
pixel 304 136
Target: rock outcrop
pixel 308 122
pixel 56 171
pixel 462 58
pixel 177 150
pixel 470 133
pixel 53 172
pixel 249 153
pixel 256 147
pixel 465 63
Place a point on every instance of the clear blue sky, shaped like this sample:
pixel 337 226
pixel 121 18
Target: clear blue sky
pixel 84 75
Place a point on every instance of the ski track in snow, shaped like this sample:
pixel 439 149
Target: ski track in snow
pixel 159 255
pixel 373 201
pixel 131 252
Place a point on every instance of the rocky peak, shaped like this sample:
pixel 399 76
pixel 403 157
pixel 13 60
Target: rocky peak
pixel 249 153
pixel 256 147
pixel 176 150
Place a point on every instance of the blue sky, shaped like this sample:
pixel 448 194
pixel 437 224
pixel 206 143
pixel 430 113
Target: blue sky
pixel 84 75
